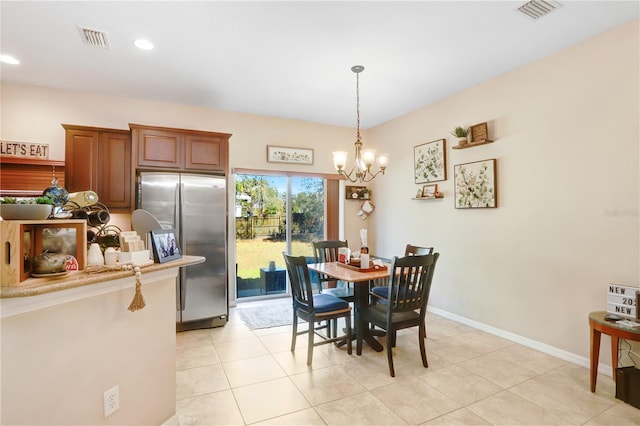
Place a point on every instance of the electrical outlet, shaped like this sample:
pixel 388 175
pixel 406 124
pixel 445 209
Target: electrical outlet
pixel 111 401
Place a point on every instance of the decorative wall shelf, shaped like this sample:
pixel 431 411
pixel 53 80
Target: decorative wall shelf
pixel 428 198
pixel 472 144
pixel 357 193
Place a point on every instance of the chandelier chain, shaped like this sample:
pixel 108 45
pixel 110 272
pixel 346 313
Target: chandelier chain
pixel 358 106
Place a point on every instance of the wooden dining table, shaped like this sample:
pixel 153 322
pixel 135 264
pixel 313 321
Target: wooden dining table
pixel 361 281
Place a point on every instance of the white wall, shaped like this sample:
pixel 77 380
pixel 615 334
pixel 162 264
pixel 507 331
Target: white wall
pixel 566 131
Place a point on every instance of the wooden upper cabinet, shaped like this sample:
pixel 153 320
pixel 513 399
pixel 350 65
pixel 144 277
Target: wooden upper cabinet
pixel 179 149
pixel 99 159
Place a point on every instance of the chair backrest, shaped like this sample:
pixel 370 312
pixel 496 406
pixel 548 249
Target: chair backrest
pixel 327 251
pixel 410 283
pixel 301 290
pixel 416 250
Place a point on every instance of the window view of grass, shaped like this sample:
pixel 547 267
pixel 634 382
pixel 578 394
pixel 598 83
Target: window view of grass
pixel 261 228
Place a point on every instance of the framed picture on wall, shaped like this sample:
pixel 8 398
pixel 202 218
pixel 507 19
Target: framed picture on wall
pixel 429 162
pixel 285 154
pixel 475 185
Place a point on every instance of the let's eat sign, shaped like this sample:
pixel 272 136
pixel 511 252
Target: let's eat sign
pixel 39 151
pixel 622 300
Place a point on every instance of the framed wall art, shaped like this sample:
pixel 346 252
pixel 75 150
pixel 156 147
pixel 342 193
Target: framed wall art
pixel 285 154
pixel 429 162
pixel 475 185
pixel 165 245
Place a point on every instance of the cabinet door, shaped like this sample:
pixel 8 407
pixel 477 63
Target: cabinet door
pixel 159 148
pixel 81 160
pixel 203 152
pixel 114 152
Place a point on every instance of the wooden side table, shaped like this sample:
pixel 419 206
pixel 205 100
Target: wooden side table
pixel 599 325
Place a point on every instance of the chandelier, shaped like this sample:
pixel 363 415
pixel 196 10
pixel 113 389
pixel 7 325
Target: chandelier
pixel 361 170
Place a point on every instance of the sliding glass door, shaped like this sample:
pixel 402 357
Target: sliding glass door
pixel 274 214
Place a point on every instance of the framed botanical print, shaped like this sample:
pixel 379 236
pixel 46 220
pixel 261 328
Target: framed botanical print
pixel 286 154
pixel 475 185
pixel 429 162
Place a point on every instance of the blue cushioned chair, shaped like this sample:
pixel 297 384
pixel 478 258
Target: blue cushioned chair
pixel 381 290
pixel 314 308
pixel 406 305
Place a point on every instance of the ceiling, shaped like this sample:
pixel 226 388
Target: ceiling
pixel 290 59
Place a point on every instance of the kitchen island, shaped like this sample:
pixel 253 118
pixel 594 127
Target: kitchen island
pixel 66 341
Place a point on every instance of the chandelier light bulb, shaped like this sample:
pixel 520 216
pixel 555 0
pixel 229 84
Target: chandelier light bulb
pixel 368 157
pixel 340 159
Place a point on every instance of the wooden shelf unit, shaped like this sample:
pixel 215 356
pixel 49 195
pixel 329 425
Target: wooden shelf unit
pixel 472 144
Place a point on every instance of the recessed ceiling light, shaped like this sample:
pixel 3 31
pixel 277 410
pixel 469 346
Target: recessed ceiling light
pixel 143 44
pixel 8 59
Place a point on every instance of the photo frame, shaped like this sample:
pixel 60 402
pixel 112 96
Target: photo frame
pixel 429 162
pixel 165 245
pixel 430 190
pixel 290 155
pixel 479 132
pixel 475 185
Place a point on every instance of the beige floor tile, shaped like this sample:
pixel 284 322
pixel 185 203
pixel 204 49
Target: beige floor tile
pixel 218 408
pixel 455 350
pixel 498 368
pixel 533 359
pixel 281 342
pixel 308 417
pixel 270 399
pixel 296 362
pixel 414 400
pixel 620 414
pixel 483 341
pixel 240 349
pixel 460 384
pixel 252 370
pixel 193 338
pixel 326 384
pixel 565 400
pixel 462 417
pixel 230 332
pixel 200 381
pixel 284 329
pixel 507 408
pixel 361 409
pixel 370 370
pixel 196 356
pixel 579 378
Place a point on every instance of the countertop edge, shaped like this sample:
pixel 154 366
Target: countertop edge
pixel 38 286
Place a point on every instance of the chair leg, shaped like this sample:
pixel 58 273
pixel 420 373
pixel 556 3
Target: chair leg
pixel 310 344
pixel 392 338
pixel 422 336
pixel 390 355
pixel 348 321
pixel 295 331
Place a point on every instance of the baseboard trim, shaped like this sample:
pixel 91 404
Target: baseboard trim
pixel 524 341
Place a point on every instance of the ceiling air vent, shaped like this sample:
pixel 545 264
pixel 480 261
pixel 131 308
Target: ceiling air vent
pixel 95 38
pixel 538 8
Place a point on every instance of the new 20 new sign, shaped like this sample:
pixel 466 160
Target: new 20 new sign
pixel 623 300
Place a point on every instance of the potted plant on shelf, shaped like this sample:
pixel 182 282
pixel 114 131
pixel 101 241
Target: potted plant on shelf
pixel 461 133
pixel 38 208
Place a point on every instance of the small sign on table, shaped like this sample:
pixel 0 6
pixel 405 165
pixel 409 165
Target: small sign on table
pixel 623 301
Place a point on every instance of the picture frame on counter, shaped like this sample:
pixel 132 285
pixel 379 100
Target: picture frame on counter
pixel 290 155
pixel 429 162
pixel 430 190
pixel 165 245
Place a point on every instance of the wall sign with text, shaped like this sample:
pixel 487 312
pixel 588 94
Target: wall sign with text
pixel 39 151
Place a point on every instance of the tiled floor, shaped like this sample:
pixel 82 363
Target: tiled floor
pixel 234 376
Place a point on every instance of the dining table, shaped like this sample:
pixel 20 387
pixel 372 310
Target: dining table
pixel 361 280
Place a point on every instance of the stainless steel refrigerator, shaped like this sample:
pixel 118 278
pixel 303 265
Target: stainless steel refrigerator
pixel 196 207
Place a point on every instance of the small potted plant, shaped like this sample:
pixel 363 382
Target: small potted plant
pixel 38 208
pixel 461 133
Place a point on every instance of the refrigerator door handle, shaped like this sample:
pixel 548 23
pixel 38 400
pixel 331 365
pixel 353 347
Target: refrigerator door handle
pixel 177 220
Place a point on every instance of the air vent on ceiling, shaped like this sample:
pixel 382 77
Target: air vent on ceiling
pixel 538 8
pixel 94 37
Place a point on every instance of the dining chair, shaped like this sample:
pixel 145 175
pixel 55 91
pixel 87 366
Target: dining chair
pixel 314 308
pixel 406 306
pixel 327 251
pixel 410 250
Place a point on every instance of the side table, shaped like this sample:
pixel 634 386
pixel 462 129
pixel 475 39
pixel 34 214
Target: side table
pixel 599 325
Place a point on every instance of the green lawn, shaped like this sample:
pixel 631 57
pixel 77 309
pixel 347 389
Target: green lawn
pixel 252 255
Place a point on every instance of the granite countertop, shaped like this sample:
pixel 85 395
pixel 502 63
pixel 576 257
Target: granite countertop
pixel 37 286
